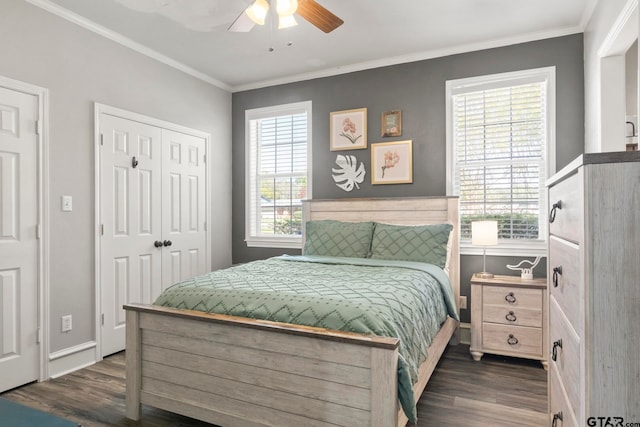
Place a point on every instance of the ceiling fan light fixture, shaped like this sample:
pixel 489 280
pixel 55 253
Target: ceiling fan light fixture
pixel 286 7
pixel 257 12
pixel 286 21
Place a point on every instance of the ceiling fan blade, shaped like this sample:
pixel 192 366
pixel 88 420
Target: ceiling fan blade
pixel 318 15
pixel 242 24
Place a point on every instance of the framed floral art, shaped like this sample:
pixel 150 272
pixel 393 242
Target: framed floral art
pixel 348 130
pixel 392 162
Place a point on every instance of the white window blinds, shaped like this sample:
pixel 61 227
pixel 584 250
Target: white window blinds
pixel 499 143
pixel 278 174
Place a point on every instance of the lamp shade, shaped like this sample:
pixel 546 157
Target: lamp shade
pixel 484 233
pixel 258 11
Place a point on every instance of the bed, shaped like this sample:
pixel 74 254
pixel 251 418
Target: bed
pixel 236 371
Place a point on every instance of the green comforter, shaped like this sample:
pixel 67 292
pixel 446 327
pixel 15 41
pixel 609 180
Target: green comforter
pixel 407 300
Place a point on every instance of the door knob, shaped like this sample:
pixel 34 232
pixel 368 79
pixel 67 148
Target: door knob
pixel 167 243
pixel 157 244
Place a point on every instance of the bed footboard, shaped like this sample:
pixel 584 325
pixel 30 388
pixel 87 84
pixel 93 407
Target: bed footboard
pixel 242 372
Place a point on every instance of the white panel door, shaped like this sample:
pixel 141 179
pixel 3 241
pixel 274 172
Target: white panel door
pixel 183 207
pixel 19 350
pixel 130 186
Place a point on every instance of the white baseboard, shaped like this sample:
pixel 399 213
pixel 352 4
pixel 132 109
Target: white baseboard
pixel 71 359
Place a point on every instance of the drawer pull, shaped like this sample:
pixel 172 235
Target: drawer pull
pixel 556 417
pixel 511 317
pixel 554 351
pixel 556 271
pixel 552 214
pixel 510 298
pixel 512 340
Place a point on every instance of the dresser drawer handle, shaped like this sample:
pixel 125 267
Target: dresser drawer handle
pixel 512 340
pixel 510 298
pixel 511 317
pixel 556 417
pixel 556 271
pixel 554 351
pixel 552 214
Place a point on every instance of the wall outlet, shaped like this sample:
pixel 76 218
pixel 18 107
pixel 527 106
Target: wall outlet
pixel 67 324
pixel 463 302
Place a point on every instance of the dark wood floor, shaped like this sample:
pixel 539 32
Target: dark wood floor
pixel 496 392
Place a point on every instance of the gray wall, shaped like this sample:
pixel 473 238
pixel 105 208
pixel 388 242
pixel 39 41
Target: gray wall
pixel 80 68
pixel 418 89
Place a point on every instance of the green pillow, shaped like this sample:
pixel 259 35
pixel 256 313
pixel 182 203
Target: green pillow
pixel 336 238
pixel 423 243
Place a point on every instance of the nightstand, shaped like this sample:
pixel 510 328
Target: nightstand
pixel 509 317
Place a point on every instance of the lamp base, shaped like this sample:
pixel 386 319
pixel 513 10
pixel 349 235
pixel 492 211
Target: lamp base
pixel 484 275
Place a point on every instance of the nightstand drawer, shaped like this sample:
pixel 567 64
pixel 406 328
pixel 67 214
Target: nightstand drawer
pixel 564 284
pixel 514 340
pixel 512 297
pixel 517 316
pixel 567 351
pixel 559 406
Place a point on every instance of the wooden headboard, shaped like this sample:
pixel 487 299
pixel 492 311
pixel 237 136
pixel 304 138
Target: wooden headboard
pixel 399 211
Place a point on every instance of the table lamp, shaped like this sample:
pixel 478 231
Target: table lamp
pixel 484 233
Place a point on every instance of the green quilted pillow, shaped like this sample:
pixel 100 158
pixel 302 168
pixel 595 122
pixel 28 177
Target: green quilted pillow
pixel 336 238
pixel 424 243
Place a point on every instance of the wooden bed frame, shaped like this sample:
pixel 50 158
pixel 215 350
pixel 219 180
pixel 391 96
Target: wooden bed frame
pixel 233 371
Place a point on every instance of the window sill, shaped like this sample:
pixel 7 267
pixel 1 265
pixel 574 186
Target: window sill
pixel 516 249
pixel 277 243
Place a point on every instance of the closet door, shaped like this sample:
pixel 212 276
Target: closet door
pixel 131 249
pixel 19 351
pixel 183 207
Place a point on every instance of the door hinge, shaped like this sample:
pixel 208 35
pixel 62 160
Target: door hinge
pixel 38 127
pixel 38 231
pixel 102 319
pixel 102 229
pixel 102 139
pixel 205 226
pixel 204 159
pixel 38 335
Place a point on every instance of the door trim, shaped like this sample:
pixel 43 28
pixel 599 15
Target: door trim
pixel 128 115
pixel 42 183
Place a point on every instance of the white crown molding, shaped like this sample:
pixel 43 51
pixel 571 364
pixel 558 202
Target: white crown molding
pixel 623 32
pixel 420 56
pixel 125 41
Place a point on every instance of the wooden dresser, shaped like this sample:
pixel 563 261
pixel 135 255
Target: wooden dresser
pixel 508 317
pixel 594 290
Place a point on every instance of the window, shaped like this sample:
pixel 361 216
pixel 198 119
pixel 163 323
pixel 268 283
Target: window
pixel 500 150
pixel 278 173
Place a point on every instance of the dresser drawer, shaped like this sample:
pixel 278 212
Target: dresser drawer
pixel 512 340
pixel 568 359
pixel 565 285
pixel 568 222
pixel 510 297
pixel 558 403
pixel 518 316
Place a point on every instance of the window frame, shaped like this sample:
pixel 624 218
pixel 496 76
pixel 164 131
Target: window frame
pixel 506 247
pixel 251 176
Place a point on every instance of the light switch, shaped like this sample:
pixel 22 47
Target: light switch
pixel 67 203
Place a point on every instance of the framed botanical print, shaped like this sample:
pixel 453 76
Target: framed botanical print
pixel 392 162
pixel 348 130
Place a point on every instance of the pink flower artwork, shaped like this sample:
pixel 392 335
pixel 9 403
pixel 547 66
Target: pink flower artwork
pixel 349 130
pixel 390 160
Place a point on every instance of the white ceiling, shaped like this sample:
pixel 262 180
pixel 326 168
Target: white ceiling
pixel 375 33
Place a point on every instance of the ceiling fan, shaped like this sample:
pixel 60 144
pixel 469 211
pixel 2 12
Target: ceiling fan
pixel 310 10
